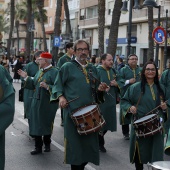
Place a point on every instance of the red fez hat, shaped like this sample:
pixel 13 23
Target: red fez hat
pixel 46 55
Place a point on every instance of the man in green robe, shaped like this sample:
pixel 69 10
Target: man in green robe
pixel 139 100
pixel 167 146
pixel 78 79
pixel 68 56
pixel 108 108
pixel 165 81
pixel 129 75
pixel 7 108
pixel 42 111
pixel 31 69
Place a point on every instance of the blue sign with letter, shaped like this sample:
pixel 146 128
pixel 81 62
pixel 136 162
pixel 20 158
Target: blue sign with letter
pixel 56 41
pixel 124 40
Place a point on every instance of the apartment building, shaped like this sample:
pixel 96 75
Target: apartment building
pixel 88 25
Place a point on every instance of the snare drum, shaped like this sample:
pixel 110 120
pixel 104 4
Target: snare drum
pixel 160 165
pixel 88 119
pixel 147 125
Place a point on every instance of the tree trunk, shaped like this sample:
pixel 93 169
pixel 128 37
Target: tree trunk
pixel 12 14
pixel 101 25
pixel 57 27
pixel 68 24
pixel 17 26
pixel 113 35
pixel 40 5
pixel 150 54
pixel 28 33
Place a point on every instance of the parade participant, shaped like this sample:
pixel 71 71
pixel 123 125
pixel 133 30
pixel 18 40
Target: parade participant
pixel 165 81
pixel 42 111
pixel 139 100
pixel 31 69
pixel 129 75
pixel 108 108
pixel 7 108
pixel 65 58
pixel 74 81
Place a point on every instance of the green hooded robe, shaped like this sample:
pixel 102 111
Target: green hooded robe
pixel 151 148
pixel 126 73
pixel 108 108
pixel 71 82
pixel 42 112
pixel 7 108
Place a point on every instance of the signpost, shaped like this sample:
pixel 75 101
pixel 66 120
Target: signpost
pixel 56 41
pixel 159 35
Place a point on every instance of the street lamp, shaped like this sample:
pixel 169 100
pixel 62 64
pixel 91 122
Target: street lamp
pixel 165 47
pixel 124 10
pixel 152 3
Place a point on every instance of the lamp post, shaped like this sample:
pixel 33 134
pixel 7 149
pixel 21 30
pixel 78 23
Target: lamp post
pixel 124 10
pixel 165 47
pixel 152 3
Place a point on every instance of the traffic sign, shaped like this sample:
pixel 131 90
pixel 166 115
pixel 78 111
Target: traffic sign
pixel 159 35
pixel 56 41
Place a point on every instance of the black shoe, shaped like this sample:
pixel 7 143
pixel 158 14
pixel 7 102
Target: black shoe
pixel 62 123
pixel 102 149
pixel 126 137
pixel 47 149
pixel 36 151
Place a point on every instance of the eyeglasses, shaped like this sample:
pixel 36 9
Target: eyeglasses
pixel 133 59
pixel 82 49
pixel 150 69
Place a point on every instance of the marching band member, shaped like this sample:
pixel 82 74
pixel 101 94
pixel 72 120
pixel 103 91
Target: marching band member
pixel 74 81
pixel 139 99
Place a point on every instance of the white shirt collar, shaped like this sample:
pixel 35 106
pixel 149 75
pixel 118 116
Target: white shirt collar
pixel 47 67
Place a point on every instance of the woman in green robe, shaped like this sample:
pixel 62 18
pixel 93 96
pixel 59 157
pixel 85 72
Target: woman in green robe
pixel 78 79
pixel 7 108
pixel 140 99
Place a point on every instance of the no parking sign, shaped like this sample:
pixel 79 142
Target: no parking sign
pixel 159 35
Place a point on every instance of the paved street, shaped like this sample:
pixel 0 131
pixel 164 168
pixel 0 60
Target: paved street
pixel 19 144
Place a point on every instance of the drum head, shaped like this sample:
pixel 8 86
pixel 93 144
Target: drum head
pixel 162 165
pixel 84 110
pixel 144 118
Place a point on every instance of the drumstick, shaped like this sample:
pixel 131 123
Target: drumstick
pixel 72 100
pixel 156 108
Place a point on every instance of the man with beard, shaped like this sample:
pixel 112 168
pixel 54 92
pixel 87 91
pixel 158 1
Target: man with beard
pixel 129 75
pixel 108 108
pixel 68 56
pixel 78 79
pixel 7 108
pixel 42 111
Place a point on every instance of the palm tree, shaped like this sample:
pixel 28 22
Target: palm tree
pixel 40 5
pixel 150 54
pixel 101 25
pixel 12 14
pixel 112 44
pixel 57 27
pixel 67 13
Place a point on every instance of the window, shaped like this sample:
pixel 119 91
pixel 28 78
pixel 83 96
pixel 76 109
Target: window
pixel 51 3
pixel 110 7
pixel 91 12
pixel 50 21
pixel 82 14
pixel 133 31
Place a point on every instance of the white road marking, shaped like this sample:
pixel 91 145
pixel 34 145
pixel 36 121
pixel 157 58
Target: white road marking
pixel 88 167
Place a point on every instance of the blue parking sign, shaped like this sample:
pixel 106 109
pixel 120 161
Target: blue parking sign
pixel 56 41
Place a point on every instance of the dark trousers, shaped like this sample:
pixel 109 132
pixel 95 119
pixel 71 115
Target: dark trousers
pixel 125 129
pixel 39 140
pixel 61 114
pixel 101 138
pixel 79 167
pixel 138 165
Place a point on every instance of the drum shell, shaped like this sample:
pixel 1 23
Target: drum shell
pixel 88 122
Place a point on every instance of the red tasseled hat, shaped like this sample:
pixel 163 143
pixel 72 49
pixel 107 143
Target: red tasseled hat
pixel 46 55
